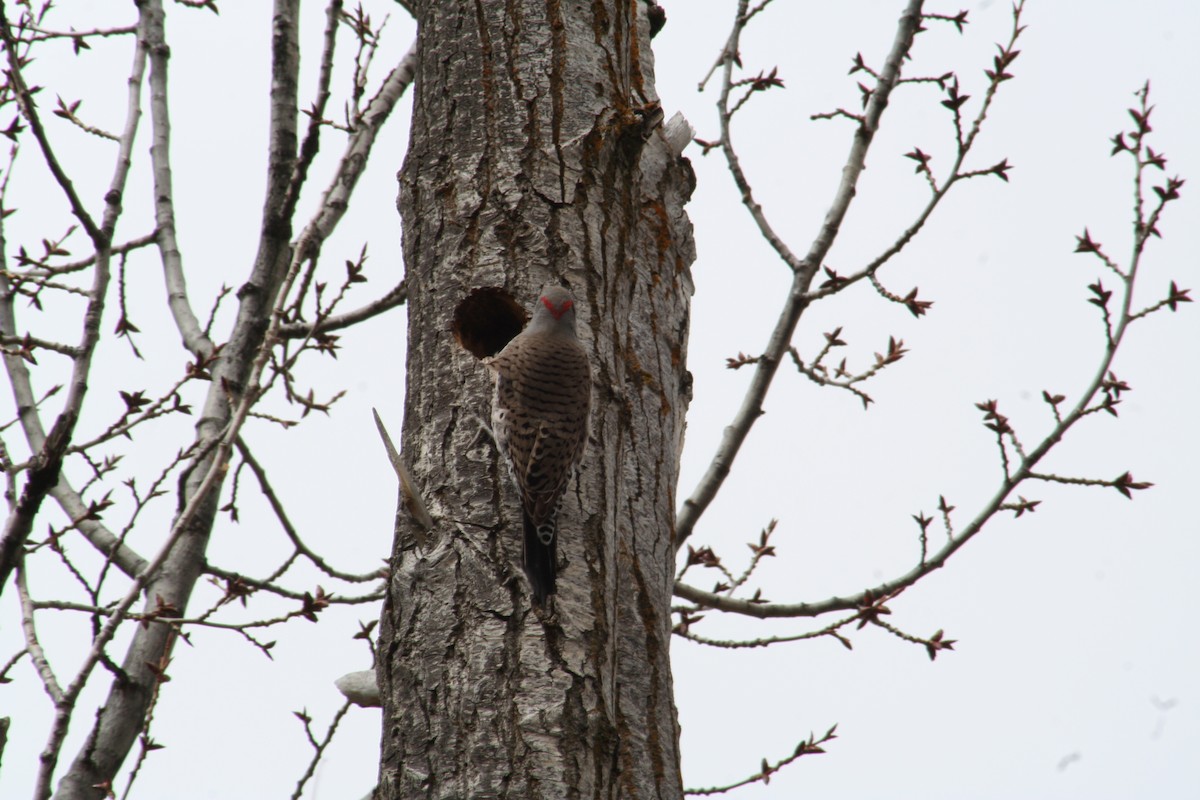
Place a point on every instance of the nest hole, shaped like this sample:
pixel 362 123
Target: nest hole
pixel 486 320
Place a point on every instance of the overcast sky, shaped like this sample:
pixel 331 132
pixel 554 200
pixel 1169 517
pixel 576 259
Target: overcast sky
pixel 1074 675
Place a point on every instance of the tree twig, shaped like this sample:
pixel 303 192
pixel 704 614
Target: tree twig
pixel 318 747
pixel 194 337
pixel 803 270
pixel 281 514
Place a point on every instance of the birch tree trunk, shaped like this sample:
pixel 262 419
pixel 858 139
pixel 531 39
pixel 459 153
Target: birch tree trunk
pixel 535 158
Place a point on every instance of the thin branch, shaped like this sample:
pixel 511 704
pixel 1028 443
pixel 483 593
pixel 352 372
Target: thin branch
pixel 83 263
pixel 1014 476
pixel 12 662
pixel 281 514
pixel 114 550
pixel 839 112
pixel 810 746
pixel 725 114
pixel 270 587
pixel 28 344
pixel 67 112
pixel 33 646
pixel 397 296
pixel 318 748
pixel 202 622
pixel 804 271
pixel 194 338
pixel 239 369
pixel 42 34
pixel 128 421
pixel 29 111
pixel 312 138
pixel 148 744
pixel 52 447
pixel 766 641
pixel 336 198
pixel 956 172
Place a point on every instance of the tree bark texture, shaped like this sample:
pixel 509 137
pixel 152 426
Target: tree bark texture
pixel 534 159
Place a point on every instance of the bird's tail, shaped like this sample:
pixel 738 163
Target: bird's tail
pixel 540 552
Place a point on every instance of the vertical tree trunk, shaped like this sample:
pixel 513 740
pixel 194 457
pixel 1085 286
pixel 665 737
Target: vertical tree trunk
pixel 531 162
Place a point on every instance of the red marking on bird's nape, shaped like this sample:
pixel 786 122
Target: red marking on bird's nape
pixel 557 311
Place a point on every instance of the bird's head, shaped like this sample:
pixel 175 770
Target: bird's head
pixel 555 310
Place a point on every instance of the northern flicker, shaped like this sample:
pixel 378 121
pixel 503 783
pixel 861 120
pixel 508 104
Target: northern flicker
pixel 540 420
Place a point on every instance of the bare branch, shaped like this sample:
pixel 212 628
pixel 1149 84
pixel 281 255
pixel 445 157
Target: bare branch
pixel 272 588
pixel 41 34
pixel 75 266
pixel 289 529
pixel 725 114
pixel 1104 382
pixel 318 747
pixel 810 746
pixel 33 646
pixel 194 338
pixel 766 641
pixel 130 420
pixel 397 296
pixel 67 112
pixel 239 369
pixel 804 271
pixel 27 344
pixel 29 110
pixel 312 139
pixel 51 448
pixel 956 173
pixel 358 149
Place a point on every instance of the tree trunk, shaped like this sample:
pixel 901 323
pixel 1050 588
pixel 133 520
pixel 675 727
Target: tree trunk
pixel 535 158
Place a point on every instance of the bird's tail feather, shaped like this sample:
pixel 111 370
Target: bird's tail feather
pixel 540 552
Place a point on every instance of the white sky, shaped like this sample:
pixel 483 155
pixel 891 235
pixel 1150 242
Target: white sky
pixel 1071 623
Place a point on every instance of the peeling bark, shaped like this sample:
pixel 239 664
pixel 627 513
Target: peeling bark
pixel 534 159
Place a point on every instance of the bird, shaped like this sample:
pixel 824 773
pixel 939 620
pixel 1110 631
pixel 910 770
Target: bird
pixel 540 421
